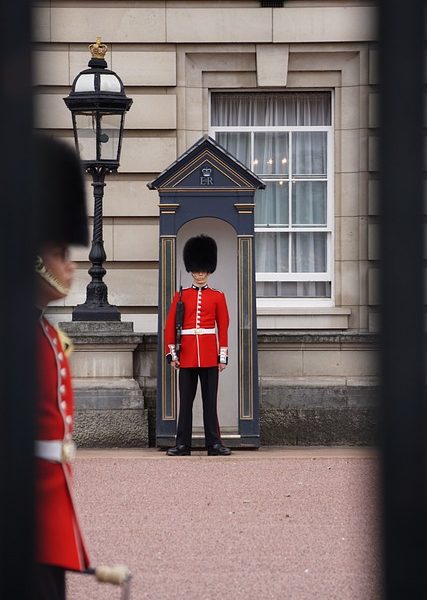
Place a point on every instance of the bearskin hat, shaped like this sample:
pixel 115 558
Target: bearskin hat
pixel 200 254
pixel 59 193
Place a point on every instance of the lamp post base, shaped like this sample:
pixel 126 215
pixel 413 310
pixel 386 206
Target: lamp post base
pixel 84 312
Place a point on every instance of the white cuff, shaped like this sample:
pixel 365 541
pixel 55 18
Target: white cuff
pixel 223 355
pixel 172 351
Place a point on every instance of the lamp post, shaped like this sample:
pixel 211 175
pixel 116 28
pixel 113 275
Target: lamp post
pixel 98 104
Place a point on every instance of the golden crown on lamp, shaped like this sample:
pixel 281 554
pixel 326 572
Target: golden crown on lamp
pixel 98 49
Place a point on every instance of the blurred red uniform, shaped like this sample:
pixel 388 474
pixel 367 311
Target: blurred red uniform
pixel 60 200
pixel 59 538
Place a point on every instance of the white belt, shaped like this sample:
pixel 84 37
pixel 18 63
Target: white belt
pixel 56 450
pixel 197 331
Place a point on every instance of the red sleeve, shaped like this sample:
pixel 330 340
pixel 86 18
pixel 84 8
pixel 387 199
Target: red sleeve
pixel 170 324
pixel 222 320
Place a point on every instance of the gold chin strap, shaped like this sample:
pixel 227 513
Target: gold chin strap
pixel 50 277
pixel 66 343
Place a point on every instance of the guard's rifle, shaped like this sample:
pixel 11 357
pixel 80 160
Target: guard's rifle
pixel 179 319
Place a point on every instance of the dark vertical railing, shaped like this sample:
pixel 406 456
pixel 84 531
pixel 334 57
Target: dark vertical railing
pixel 17 353
pixel 404 415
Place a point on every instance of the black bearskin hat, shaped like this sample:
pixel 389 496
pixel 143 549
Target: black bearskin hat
pixel 200 254
pixel 59 193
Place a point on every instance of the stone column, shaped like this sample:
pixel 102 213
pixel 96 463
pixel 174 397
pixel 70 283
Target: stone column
pixel 110 409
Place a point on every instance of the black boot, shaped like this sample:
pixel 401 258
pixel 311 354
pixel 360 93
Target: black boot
pixel 218 450
pixel 179 450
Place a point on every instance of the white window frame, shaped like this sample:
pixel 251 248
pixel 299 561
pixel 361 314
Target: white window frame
pixel 276 302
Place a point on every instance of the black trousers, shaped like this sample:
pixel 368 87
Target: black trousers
pixel 49 582
pixel 188 379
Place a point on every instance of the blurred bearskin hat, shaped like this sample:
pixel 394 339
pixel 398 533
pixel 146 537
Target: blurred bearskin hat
pixel 59 193
pixel 200 254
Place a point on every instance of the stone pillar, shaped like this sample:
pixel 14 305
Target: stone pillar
pixel 110 409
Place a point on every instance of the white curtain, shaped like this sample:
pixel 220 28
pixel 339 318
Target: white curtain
pixel 269 158
pixel 309 201
pixel 238 144
pixel 253 109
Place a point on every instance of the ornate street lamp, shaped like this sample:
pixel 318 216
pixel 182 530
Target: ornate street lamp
pixel 98 104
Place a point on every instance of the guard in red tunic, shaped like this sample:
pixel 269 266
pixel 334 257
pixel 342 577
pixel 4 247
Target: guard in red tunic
pixel 59 541
pixel 202 351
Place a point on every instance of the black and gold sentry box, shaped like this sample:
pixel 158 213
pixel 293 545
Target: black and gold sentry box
pixel 208 191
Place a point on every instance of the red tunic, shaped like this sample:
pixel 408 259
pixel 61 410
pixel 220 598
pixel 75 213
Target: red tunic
pixel 204 308
pixel 59 540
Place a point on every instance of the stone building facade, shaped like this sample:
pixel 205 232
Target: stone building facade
pixel 188 65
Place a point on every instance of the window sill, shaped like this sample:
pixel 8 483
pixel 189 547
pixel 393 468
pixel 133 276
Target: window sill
pixel 302 318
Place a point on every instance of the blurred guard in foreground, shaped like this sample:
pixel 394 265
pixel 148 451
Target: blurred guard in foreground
pixel 60 197
pixel 197 352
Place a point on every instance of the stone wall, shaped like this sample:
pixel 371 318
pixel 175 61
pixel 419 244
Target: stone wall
pixel 304 397
pixel 109 402
pixel 318 389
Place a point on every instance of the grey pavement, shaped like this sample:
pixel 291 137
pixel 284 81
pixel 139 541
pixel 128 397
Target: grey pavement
pixel 278 523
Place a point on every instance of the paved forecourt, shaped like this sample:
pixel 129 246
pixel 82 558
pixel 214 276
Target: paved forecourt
pixel 294 523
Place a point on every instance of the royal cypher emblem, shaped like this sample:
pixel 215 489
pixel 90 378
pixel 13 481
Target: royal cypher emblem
pixel 206 177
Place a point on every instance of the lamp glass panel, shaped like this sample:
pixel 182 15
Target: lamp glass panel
pixel 86 135
pixel 109 136
pixel 109 83
pixel 85 83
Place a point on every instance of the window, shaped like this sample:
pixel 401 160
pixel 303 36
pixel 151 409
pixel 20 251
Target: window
pixel 286 139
